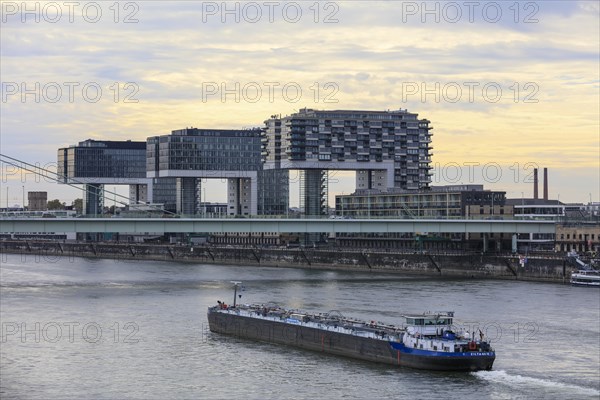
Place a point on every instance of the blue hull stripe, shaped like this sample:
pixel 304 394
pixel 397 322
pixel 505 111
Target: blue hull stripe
pixel 419 352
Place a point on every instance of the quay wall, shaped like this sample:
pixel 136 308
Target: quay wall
pixel 467 265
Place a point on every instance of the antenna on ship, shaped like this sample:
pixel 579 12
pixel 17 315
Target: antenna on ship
pixel 235 288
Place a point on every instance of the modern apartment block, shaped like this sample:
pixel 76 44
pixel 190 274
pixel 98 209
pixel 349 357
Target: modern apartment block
pixel 191 154
pixel 386 149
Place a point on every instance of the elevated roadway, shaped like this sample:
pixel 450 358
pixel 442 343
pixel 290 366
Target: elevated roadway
pixel 278 225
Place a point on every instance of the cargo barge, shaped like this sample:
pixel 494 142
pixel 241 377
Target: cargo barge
pixel 426 341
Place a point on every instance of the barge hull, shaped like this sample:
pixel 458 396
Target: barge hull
pixel 341 344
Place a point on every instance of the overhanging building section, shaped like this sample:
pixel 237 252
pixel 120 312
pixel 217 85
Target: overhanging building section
pixel 182 225
pixel 191 154
pixel 365 141
pixel 95 163
pixel 387 149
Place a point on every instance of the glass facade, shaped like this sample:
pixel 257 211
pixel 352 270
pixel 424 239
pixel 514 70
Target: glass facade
pixel 103 159
pixel 238 152
pixel 205 150
pixel 165 192
pixel 273 192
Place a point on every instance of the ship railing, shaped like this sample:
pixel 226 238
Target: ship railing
pixel 328 325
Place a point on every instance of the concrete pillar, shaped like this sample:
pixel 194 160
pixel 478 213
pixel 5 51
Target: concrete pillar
pixel 188 191
pixel 312 195
pixel 253 196
pixel 233 197
pixel 150 191
pixel 93 199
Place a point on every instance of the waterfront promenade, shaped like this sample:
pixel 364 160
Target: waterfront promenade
pixel 549 267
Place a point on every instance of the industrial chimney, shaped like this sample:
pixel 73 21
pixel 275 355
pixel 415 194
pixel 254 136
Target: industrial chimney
pixel 545 183
pixel 535 183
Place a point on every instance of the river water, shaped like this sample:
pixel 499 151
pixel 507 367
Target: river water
pixel 107 329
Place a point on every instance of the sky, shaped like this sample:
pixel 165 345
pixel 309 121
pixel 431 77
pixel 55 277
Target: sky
pixel 508 85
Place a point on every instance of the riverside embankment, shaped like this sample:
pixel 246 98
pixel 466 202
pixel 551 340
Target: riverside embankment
pixel 468 265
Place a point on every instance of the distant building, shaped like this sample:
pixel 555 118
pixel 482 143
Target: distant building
pixel 452 201
pixel 37 201
pixel 593 209
pixel 550 209
pixel 535 208
pixel 386 149
pixel 580 238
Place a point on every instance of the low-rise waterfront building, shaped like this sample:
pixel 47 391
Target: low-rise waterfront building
pixel 452 201
pixel 436 202
pixel 582 237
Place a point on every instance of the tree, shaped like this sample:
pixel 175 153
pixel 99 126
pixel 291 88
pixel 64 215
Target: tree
pixel 78 206
pixel 56 205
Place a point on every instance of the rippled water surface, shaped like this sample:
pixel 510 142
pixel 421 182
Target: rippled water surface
pixel 80 328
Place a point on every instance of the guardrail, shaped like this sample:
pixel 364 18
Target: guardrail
pixel 276 225
pixel 299 217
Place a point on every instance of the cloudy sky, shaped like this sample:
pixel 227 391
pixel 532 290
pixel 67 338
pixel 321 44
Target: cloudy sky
pixel 506 85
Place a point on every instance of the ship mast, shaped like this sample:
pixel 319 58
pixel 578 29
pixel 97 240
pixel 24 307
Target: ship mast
pixel 235 288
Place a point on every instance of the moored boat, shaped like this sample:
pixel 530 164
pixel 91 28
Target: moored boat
pixel 586 278
pixel 426 341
